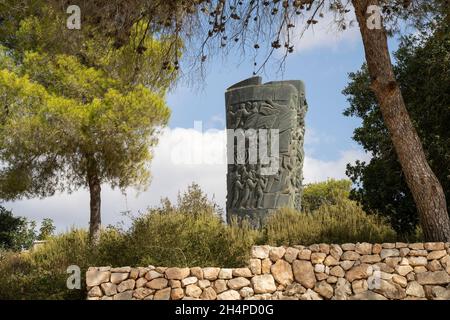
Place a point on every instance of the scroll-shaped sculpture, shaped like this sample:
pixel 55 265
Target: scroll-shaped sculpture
pixel 265 134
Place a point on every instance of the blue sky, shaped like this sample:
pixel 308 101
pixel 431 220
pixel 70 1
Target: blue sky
pixel 322 60
pixel 324 72
pixel 323 66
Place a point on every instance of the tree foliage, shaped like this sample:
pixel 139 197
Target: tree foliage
pixel 46 230
pixel 423 72
pixel 48 140
pixel 16 233
pixel 324 193
pixel 77 111
pixel 40 25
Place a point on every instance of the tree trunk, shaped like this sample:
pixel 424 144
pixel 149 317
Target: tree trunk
pixel 423 183
pixel 95 205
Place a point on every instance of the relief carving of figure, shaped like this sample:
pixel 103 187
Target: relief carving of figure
pixel 261 183
pixel 239 117
pixel 247 196
pixel 237 188
pixel 252 115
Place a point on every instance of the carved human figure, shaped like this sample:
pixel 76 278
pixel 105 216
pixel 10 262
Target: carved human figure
pixel 252 115
pixel 244 173
pixel 242 115
pixel 235 116
pixel 237 188
pixel 249 186
pixel 261 183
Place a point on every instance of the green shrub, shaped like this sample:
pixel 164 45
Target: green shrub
pixel 327 192
pixel 13 268
pixel 178 239
pixel 188 233
pixel 112 249
pixel 342 222
pixel 41 274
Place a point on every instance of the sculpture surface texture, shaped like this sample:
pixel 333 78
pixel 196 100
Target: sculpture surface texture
pixel 265 134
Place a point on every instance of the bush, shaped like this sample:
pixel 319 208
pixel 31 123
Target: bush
pixel 188 233
pixel 328 192
pixel 178 239
pixel 12 268
pixel 41 274
pixel 342 222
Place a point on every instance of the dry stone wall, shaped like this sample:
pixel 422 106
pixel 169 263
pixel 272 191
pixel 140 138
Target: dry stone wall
pixel 320 271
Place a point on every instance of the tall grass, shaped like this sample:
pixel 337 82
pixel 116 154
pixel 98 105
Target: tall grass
pixel 342 222
pixel 41 274
pixel 178 239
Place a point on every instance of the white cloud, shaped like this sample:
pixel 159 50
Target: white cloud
pixel 216 121
pixel 325 34
pixel 171 172
pixel 315 170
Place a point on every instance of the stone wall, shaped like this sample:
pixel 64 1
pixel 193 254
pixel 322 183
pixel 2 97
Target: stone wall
pixel 320 271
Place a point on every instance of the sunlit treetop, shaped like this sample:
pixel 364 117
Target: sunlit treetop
pixel 137 60
pixel 75 105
